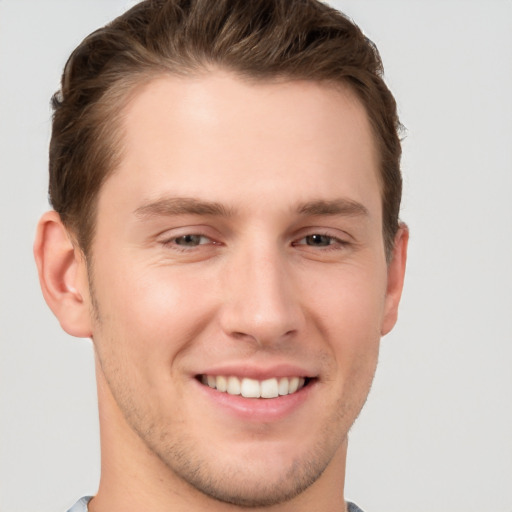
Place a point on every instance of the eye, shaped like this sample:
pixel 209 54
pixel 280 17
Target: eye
pixel 189 240
pixel 319 240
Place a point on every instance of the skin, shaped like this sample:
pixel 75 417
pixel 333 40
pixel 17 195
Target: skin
pixel 287 273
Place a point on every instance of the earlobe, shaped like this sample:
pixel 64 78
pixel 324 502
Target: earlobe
pixel 395 282
pixel 63 275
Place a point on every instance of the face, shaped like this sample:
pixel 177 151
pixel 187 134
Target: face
pixel 239 281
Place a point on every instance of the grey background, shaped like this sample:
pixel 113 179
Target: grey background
pixel 436 433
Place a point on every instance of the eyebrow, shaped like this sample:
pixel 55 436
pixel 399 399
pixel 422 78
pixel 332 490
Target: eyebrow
pixel 190 206
pixel 182 206
pixel 345 207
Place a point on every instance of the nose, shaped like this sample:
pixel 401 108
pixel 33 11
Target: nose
pixel 261 302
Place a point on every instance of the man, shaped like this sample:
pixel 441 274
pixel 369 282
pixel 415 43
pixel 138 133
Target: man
pixel 226 188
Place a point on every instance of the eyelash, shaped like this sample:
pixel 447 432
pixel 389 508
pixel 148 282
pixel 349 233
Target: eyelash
pixel 172 242
pixel 334 243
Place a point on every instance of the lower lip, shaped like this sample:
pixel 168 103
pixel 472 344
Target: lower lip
pixel 258 410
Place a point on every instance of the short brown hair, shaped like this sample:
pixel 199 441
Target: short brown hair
pixel 262 39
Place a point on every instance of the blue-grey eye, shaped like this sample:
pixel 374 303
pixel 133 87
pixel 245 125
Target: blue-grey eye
pixel 190 240
pixel 318 240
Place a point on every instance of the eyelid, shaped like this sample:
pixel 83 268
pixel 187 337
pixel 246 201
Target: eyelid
pixel 167 237
pixel 334 240
pixel 170 240
pixel 171 232
pixel 331 232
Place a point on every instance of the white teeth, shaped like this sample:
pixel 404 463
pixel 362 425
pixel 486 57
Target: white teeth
pixel 222 383
pixel 283 386
pixel 293 385
pixel 269 388
pixel 252 388
pixel 233 386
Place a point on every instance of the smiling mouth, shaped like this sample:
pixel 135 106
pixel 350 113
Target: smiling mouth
pixel 252 388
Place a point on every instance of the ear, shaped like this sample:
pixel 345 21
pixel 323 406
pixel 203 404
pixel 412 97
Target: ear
pixel 63 275
pixel 396 274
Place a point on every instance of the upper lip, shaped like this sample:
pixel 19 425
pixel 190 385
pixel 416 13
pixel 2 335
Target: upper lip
pixel 257 372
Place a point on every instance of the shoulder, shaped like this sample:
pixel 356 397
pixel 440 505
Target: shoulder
pixel 81 505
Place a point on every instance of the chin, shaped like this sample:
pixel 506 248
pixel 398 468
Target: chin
pixel 255 485
pixel 257 474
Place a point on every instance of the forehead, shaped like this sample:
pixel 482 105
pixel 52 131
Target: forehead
pixel 225 139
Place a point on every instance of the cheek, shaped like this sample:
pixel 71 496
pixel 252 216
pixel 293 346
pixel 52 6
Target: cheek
pixel 147 312
pixel 347 312
pixel 348 300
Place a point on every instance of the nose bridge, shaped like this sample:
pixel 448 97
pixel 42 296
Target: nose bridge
pixel 260 302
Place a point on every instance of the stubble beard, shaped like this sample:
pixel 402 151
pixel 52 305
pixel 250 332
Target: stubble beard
pixel 234 483
pixel 226 478
pixel 233 480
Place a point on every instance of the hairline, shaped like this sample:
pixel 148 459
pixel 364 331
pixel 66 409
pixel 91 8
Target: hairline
pixel 125 89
